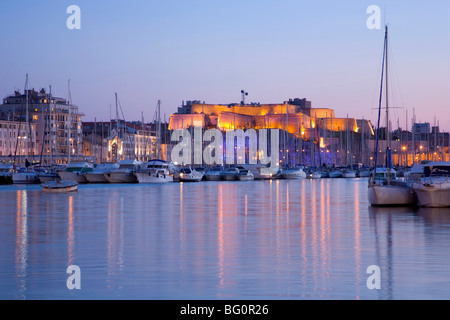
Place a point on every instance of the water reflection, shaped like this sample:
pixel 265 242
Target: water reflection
pixel 310 239
pixel 115 240
pixel 220 240
pixel 21 242
pixel 357 235
pixel 381 221
pixel 419 233
pixel 70 233
pixel 439 217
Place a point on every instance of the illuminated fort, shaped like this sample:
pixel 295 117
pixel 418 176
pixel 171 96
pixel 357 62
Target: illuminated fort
pixel 325 137
pixel 295 116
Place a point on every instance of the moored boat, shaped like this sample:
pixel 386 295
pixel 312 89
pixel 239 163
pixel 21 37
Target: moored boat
pixel 364 173
pixel 348 173
pixel 261 172
pixel 293 173
pixel 316 175
pixel 335 173
pixel 97 175
pixel 27 176
pixel 214 174
pixel 76 171
pixel 188 175
pixel 46 174
pixel 59 186
pixel 244 175
pixel 6 174
pixel 230 174
pixel 125 173
pixel 385 189
pixel 433 188
pixel 154 171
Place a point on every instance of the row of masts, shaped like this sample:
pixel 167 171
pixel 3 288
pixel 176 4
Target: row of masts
pixel 48 127
pixel 321 149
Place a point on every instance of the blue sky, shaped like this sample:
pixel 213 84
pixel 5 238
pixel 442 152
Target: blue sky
pixel 209 50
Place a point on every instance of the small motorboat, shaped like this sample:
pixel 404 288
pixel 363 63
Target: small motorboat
pixel 59 186
pixel 245 175
pixel 230 174
pixel 293 173
pixel 316 175
pixel 188 175
pixel 348 173
pixel 335 174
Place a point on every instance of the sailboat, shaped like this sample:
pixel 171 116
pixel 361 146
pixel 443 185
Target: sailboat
pixel 348 172
pixel 25 175
pixel 384 187
pixel 433 187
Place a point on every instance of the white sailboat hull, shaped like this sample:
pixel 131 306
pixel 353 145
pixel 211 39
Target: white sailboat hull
pixel 389 195
pixel 435 195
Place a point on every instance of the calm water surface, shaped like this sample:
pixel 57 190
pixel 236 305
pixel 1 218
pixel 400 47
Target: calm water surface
pixel 281 239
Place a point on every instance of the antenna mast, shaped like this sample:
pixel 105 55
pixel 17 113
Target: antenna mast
pixel 243 93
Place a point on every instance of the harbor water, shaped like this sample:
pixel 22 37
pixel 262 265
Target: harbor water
pixel 268 239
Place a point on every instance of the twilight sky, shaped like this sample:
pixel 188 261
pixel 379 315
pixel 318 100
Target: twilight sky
pixel 209 50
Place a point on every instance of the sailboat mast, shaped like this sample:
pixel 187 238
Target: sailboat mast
pixel 49 126
pixel 388 150
pixel 387 99
pixel 117 115
pixel 68 123
pixel 27 137
pixel 158 133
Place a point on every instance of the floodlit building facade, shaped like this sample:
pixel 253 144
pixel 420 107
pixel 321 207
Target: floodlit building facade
pixel 57 122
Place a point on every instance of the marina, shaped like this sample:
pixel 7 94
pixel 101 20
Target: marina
pixel 429 179
pixel 212 152
pixel 280 239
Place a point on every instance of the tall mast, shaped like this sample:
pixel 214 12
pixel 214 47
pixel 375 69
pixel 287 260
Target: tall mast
pixel 117 126
pixel 159 130
pixel 27 130
pixel 388 151
pixel 144 137
pixel 68 122
pixel 50 140
pixel 387 99
pixel 117 115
